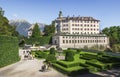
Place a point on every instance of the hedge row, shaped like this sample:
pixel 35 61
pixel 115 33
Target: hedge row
pixel 66 65
pixel 88 56
pixel 8 50
pixel 41 41
pixel 70 71
pixel 98 65
pixel 40 54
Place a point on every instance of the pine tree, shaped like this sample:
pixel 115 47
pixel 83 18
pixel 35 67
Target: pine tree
pixel 36 31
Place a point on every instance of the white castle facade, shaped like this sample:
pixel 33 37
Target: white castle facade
pixel 78 32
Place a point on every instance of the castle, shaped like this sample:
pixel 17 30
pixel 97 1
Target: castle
pixel 78 32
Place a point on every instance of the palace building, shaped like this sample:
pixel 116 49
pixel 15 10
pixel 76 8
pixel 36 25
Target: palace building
pixel 78 32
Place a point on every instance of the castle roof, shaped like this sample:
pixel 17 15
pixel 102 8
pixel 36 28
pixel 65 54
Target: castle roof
pixel 77 18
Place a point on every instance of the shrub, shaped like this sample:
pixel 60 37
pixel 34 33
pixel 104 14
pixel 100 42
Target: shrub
pixel 69 56
pixel 70 71
pixel 68 65
pixel 78 50
pixel 8 50
pixel 51 58
pixel 52 51
pixel 88 56
pixel 96 64
pixel 39 54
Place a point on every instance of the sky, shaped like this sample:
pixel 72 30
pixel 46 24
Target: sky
pixel 45 11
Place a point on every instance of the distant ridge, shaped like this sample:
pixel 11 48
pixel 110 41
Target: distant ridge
pixel 23 26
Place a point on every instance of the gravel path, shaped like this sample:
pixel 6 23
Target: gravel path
pixel 31 68
pixel 28 68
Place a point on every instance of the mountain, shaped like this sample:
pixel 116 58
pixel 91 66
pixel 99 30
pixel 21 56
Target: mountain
pixel 22 26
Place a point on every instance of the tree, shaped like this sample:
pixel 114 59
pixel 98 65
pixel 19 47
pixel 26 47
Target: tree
pixel 5 28
pixel 113 33
pixel 116 48
pixel 49 29
pixel 36 31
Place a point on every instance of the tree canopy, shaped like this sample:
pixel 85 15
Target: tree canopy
pixel 113 33
pixel 36 31
pixel 6 28
pixel 49 29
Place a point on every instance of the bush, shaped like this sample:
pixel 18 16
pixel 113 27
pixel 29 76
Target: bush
pixel 116 48
pixel 78 50
pixel 70 71
pixel 68 65
pixel 96 64
pixel 88 56
pixel 101 53
pixel 8 50
pixel 41 40
pixel 52 51
pixel 40 54
pixel 69 56
pixel 51 58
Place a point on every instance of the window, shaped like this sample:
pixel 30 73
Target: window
pixel 75 41
pixel 104 41
pixel 72 41
pixel 69 41
pixel 66 41
pixel 63 41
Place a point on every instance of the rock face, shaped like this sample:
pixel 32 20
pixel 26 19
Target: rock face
pixel 23 26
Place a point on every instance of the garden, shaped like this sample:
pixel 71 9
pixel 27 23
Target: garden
pixel 80 62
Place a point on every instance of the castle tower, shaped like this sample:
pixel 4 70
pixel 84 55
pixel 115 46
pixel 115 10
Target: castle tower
pixel 60 14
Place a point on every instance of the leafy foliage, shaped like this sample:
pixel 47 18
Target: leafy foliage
pixel 52 51
pixel 113 33
pixel 116 47
pixel 5 28
pixel 51 58
pixel 41 40
pixel 49 29
pixel 69 56
pixel 36 31
pixel 8 50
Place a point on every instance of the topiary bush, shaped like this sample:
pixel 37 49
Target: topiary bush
pixel 52 51
pixel 51 58
pixel 69 56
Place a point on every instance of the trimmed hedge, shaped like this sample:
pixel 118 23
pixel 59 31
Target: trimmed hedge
pixel 88 56
pixel 66 65
pixel 97 64
pixel 51 58
pixel 69 56
pixel 41 41
pixel 40 54
pixel 8 50
pixel 70 71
